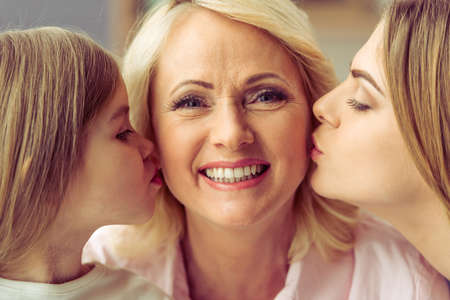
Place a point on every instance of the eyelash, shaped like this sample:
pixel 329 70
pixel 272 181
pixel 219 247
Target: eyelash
pixel 356 105
pixel 123 136
pixel 186 102
pixel 271 92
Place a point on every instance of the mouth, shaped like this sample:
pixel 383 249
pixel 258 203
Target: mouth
pixel 233 175
pixel 156 179
pixel 315 151
pixel 316 148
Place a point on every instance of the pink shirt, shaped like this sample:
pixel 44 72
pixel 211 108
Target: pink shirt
pixel 382 266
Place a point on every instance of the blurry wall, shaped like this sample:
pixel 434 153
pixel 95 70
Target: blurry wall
pixel 341 26
pixel 90 16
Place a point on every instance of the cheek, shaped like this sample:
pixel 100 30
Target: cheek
pixel 121 172
pixel 286 137
pixel 178 145
pixel 365 159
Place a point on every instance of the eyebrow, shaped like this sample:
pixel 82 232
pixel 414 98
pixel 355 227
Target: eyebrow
pixel 201 83
pixel 123 110
pixel 365 75
pixel 207 85
pixel 258 77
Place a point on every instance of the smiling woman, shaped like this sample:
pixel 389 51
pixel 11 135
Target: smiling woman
pixel 226 89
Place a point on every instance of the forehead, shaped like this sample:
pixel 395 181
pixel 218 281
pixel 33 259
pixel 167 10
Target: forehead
pixel 116 101
pixel 370 57
pixel 202 40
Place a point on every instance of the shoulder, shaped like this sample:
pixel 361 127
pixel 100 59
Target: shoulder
pixel 127 284
pixel 377 237
pixel 100 283
pixel 118 247
pixel 385 263
pixel 102 246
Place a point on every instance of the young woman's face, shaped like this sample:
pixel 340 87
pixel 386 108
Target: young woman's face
pixel 231 120
pixel 115 181
pixel 359 151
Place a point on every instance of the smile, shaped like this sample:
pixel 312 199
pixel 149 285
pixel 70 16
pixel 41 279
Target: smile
pixel 232 175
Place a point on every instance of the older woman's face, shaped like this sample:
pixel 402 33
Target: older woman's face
pixel 231 120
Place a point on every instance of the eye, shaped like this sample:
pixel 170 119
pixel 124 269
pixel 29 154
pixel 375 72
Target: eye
pixel 356 105
pixel 266 98
pixel 123 136
pixel 189 102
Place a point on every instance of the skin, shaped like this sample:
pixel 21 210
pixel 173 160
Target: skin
pixel 112 185
pixel 361 157
pixel 230 120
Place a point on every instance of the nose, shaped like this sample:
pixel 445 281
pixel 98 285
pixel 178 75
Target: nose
pixel 326 109
pixel 145 146
pixel 230 128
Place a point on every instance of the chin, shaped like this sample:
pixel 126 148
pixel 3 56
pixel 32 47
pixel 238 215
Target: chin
pixel 318 185
pixel 234 218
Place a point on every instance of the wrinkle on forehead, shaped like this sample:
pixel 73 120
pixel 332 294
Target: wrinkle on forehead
pixel 236 44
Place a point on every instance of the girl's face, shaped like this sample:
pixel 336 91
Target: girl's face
pixel 359 151
pixel 115 181
pixel 231 120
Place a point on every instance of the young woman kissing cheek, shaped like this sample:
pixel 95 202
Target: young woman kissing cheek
pixel 117 180
pixel 232 127
pixel 359 151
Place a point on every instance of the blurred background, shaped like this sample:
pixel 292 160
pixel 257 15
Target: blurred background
pixel 341 26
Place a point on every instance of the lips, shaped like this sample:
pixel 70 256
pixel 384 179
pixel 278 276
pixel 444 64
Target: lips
pixel 157 178
pixel 315 145
pixel 155 166
pixel 234 172
pixel 315 151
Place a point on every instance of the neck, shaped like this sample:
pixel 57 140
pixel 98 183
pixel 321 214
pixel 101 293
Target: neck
pixel 425 224
pixel 220 261
pixel 55 259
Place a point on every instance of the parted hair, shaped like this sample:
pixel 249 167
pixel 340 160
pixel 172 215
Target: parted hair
pixel 52 83
pixel 327 224
pixel 417 66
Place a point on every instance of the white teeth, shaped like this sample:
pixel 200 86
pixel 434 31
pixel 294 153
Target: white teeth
pixel 238 172
pixel 247 171
pixel 232 175
pixel 229 173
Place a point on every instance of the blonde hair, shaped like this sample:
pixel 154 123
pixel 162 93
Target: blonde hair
pixel 52 82
pixel 326 223
pixel 417 66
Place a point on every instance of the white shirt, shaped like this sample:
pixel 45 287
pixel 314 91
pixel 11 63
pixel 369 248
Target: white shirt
pixel 100 283
pixel 381 266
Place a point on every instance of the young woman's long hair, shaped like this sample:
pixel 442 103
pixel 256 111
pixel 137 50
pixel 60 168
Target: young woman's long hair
pixel 52 82
pixel 417 66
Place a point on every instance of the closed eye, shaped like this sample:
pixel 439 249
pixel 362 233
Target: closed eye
pixel 356 105
pixel 123 136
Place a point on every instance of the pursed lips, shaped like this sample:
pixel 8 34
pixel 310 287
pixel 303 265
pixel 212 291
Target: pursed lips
pixel 316 147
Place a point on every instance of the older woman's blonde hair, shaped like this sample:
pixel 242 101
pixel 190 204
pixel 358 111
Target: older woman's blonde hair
pixel 52 82
pixel 417 66
pixel 327 224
